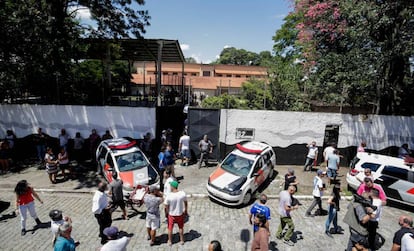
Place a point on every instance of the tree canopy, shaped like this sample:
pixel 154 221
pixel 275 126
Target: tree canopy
pixel 40 45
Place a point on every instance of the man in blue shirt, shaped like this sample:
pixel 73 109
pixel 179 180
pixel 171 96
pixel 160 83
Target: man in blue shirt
pixel 260 208
pixel 333 165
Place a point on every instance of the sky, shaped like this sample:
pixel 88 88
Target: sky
pixel 205 27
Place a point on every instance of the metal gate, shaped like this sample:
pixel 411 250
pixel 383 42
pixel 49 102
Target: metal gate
pixel 201 122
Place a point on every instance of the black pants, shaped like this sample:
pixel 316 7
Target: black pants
pixel 104 220
pixel 372 232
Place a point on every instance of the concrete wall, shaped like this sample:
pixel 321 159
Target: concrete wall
pixel 24 120
pixel 285 129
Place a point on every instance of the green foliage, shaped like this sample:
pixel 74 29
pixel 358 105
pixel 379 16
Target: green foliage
pixel 224 101
pixel 357 52
pixel 40 43
pixel 235 56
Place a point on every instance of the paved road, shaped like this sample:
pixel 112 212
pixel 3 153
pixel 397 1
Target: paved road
pixel 208 220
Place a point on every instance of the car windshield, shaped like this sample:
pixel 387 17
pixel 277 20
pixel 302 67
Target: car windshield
pixel 237 165
pixel 131 161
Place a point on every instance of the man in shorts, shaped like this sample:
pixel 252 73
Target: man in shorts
pixel 152 201
pixel 176 205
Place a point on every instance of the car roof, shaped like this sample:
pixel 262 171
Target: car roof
pixel 250 149
pixel 381 159
pixel 120 145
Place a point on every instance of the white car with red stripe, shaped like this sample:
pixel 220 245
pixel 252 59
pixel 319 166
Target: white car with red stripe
pixel 241 173
pixel 124 157
pixel 395 175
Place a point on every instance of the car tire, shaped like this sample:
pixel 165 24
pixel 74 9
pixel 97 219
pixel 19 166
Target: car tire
pixel 247 198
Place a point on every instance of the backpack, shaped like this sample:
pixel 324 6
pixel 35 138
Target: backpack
pixel 352 220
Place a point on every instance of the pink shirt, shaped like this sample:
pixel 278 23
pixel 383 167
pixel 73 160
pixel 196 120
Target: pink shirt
pixel 364 188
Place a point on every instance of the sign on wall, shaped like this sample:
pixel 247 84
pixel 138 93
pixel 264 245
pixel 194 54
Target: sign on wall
pixel 245 133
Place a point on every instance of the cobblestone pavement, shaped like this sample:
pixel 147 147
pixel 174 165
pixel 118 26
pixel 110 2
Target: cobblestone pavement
pixel 208 220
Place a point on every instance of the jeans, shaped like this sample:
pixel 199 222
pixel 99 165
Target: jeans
pixel 308 163
pixel 316 201
pixel 23 213
pixel 332 173
pixel 204 156
pixel 41 151
pixel 283 222
pixel 332 216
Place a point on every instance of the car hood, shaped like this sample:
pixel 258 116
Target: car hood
pixel 221 178
pixel 135 177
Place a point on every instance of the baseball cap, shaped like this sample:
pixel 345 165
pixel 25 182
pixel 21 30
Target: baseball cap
pixel 55 215
pixel 174 183
pixel 111 231
pixel 319 172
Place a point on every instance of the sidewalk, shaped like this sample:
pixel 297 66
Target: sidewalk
pixel 194 182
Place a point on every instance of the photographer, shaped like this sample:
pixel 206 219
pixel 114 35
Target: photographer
pixel 357 219
pixel 362 217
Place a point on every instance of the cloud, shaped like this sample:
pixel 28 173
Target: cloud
pixel 227 46
pixel 81 12
pixel 196 57
pixel 185 47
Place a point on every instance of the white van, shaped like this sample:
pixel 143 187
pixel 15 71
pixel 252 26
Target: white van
pixel 393 174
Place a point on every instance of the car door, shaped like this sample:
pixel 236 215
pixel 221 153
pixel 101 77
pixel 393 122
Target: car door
pixel 397 183
pixel 108 167
pixel 100 156
pixel 259 173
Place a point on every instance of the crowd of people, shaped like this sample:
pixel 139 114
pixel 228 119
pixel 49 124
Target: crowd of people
pixel 363 223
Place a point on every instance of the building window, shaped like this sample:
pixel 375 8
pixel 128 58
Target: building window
pixel 175 73
pixel 193 74
pixel 165 73
pixel 185 74
pixel 206 73
pixel 219 75
pixel 228 75
pixel 238 76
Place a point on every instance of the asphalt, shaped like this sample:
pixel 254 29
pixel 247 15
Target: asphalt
pixel 208 220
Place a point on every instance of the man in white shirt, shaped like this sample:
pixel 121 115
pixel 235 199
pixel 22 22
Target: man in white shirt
pixel 101 210
pixel 375 216
pixel 184 149
pixel 317 193
pixel 176 205
pixel 115 242
pixel 328 151
pixel 311 157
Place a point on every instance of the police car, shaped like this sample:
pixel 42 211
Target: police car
pixel 128 161
pixel 395 175
pixel 241 173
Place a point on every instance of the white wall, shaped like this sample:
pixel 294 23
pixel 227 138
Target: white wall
pixel 121 121
pixel 281 129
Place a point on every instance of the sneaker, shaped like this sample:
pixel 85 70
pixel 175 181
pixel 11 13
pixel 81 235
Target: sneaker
pixel 328 233
pixel 289 242
pixel 309 215
pixel 23 232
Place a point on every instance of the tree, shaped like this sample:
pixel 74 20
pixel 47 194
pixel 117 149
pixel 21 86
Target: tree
pixel 235 56
pixel 190 60
pixel 40 40
pixel 357 52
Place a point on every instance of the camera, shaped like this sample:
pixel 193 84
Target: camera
pixel 364 202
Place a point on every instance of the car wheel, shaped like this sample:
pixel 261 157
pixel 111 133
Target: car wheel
pixel 247 198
